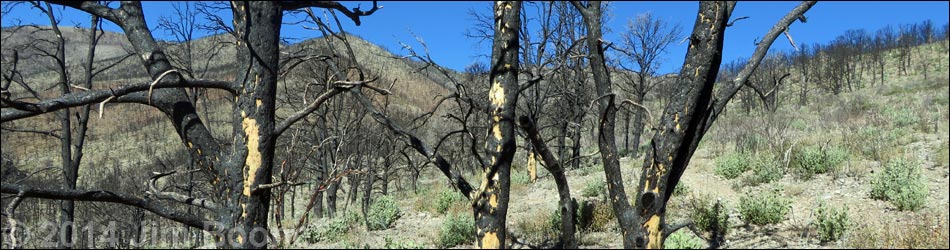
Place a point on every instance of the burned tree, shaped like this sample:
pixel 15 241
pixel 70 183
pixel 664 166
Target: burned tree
pixel 691 111
pixel 242 172
pixel 645 40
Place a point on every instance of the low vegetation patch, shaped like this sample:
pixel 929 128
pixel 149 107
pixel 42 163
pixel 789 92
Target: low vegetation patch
pixel 811 160
pixel 708 216
pixel 765 168
pixel 595 215
pixel 832 222
pixel 683 240
pixel 732 165
pixel 397 244
pixel 901 184
pixel 767 207
pixel 594 188
pixel 456 229
pixel 447 199
pixel 921 231
pixel 337 227
pixel 383 213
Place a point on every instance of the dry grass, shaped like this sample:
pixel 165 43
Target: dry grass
pixel 919 230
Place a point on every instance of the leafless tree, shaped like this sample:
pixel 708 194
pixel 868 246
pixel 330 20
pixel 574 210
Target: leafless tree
pixel 242 172
pixel 689 114
pixel 646 39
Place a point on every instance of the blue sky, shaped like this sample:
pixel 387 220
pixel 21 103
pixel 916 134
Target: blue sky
pixel 443 24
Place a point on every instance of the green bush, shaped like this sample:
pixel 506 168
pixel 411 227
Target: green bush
pixel 832 222
pixel 680 189
pixel 708 216
pixel 901 117
pixel 682 240
pixel 447 199
pixel 456 229
pixel 594 188
pixel 382 213
pixel 901 184
pixel 554 221
pixel 520 178
pixel 730 166
pixel 334 230
pixel 764 208
pixel 765 169
pixel 818 159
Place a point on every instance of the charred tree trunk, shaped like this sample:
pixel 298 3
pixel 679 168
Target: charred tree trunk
pixel 67 207
pixel 257 25
pixel 607 110
pixel 490 204
pixel 638 124
pixel 567 206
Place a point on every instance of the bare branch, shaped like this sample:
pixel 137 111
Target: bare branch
pixel 790 40
pixel 354 15
pixel 734 21
pixel 454 176
pixel 649 115
pixel 50 133
pixel 188 200
pixel 106 196
pixel 9 212
pixel 94 96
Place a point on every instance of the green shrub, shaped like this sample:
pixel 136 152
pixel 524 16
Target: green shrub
pixel 594 188
pixel 709 217
pixel 520 178
pixel 765 169
pixel 680 189
pixel 818 159
pixel 682 240
pixel 382 213
pixel 730 166
pixel 457 229
pixel 764 208
pixel 334 230
pixel 901 184
pixel 447 199
pixel 901 117
pixel 832 222
pixel 396 244
pixel 554 221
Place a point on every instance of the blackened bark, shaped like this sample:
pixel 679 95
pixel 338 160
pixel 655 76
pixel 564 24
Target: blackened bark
pixel 257 27
pixel 67 207
pixel 682 119
pixel 606 139
pixel 690 112
pixel 490 204
pixel 638 125
pixel 551 163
